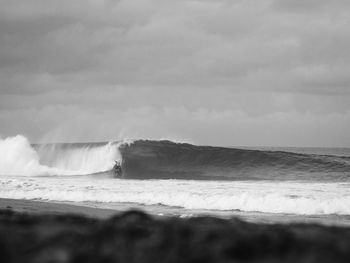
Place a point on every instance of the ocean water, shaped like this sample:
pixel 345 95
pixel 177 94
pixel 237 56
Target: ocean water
pixel 168 178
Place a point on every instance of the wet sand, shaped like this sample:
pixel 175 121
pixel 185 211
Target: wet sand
pixel 38 207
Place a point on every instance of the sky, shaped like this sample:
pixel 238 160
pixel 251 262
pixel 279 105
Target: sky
pixel 213 72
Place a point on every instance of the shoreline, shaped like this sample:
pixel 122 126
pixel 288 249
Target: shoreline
pixel 90 210
pixel 51 208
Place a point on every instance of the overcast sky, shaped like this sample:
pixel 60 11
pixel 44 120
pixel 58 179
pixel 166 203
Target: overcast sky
pixel 217 72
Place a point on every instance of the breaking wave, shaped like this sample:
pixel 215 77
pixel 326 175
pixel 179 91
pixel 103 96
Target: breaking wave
pixel 145 159
pixel 19 157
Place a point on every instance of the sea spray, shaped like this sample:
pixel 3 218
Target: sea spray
pixel 19 157
pixel 81 159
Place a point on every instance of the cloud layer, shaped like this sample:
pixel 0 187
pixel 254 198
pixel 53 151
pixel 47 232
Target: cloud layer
pixel 211 72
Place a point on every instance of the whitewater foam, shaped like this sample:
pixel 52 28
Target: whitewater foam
pixel 19 157
pixel 254 196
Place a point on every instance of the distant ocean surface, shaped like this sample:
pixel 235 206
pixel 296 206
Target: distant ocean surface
pixel 306 150
pixel 177 178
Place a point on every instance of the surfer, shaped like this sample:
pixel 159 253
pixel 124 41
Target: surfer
pixel 117 169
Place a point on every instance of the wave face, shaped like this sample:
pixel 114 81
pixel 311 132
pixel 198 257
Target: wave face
pixel 168 160
pixel 19 157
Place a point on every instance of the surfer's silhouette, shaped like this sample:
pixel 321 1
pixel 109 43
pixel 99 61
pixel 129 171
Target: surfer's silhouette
pixel 117 169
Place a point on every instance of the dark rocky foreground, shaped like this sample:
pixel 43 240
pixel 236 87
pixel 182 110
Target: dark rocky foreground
pixel 136 237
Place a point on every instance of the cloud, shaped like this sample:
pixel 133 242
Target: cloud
pixel 307 6
pixel 182 43
pixel 86 58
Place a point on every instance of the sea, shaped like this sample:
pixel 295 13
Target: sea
pixel 165 178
